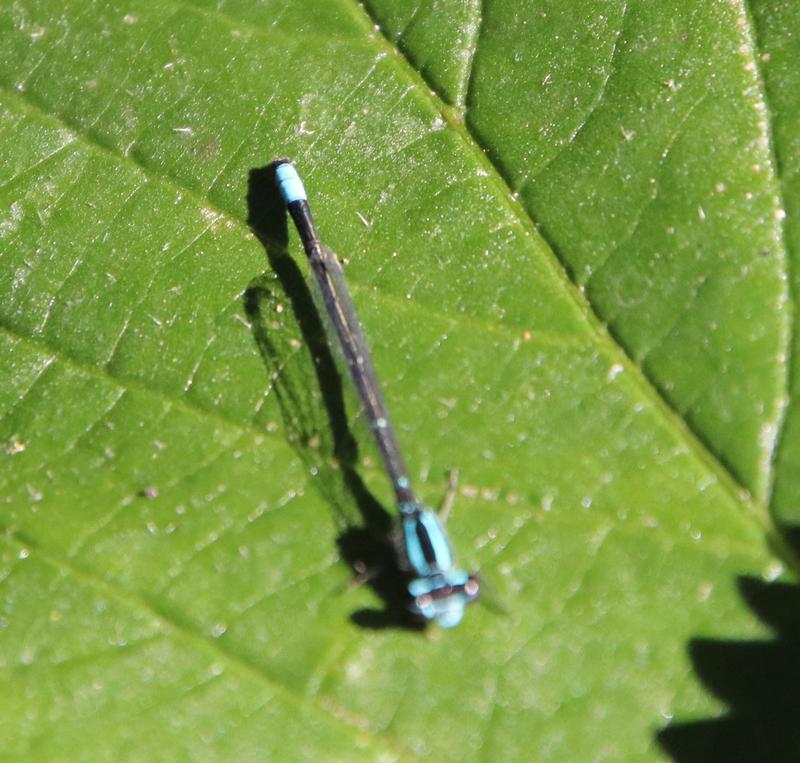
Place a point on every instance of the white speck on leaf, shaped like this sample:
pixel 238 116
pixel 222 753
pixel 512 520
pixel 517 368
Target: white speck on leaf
pixel 15 446
pixel 773 571
pixel 704 591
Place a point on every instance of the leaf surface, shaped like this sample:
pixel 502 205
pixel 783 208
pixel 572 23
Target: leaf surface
pixel 170 505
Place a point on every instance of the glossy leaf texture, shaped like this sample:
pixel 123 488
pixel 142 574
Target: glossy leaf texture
pixel 568 235
pixel 639 140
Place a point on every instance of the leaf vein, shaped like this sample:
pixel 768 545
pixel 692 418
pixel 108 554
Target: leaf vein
pixel 194 638
pixel 755 509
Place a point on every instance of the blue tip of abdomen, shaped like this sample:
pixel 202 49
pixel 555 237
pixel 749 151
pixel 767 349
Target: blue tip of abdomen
pixel 289 183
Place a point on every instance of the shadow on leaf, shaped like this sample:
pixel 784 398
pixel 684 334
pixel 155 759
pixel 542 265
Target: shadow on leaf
pixel 758 680
pixel 290 336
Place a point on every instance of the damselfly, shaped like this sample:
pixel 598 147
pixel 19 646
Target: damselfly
pixel 439 590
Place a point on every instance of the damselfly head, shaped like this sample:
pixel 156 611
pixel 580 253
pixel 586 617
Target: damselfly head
pixel 443 600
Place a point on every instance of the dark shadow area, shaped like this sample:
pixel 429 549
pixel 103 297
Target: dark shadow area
pixel 759 681
pixel 290 335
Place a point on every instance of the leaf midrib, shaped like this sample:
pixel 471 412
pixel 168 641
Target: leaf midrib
pixel 756 509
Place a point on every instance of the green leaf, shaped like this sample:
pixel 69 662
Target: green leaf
pixel 571 259
pixel 774 25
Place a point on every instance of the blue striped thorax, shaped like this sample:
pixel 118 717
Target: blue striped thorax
pixel 439 591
